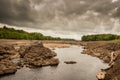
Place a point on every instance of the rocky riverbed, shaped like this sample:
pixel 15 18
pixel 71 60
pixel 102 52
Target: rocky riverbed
pixel 15 56
pixel 109 52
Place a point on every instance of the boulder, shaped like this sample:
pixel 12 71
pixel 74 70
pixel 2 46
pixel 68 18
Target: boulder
pixel 7 52
pixel 101 75
pixel 51 62
pixel 37 55
pixel 7 67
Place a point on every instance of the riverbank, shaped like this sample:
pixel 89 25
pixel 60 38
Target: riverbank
pixel 15 54
pixel 109 52
pixel 47 43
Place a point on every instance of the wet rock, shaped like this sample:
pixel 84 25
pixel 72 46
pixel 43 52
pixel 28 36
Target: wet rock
pixel 70 62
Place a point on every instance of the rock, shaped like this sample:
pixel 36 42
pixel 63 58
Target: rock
pixel 7 53
pixel 22 51
pixel 70 62
pixel 110 53
pixel 17 55
pixel 7 49
pixel 51 62
pixel 113 46
pixel 37 55
pixel 106 59
pixel 7 67
pixel 101 75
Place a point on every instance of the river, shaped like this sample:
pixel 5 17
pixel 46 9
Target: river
pixel 86 67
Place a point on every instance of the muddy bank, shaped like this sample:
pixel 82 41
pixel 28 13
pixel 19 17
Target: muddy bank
pixel 16 56
pixel 47 43
pixel 109 52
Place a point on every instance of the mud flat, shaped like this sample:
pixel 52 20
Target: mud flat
pixel 109 52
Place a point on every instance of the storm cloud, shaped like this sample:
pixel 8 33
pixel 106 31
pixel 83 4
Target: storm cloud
pixel 70 15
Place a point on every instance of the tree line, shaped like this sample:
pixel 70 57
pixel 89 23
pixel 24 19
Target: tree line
pixel 100 37
pixel 11 33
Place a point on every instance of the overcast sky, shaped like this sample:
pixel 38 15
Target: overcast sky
pixel 63 16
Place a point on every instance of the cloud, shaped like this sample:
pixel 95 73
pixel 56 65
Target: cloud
pixel 67 15
pixel 114 1
pixel 16 12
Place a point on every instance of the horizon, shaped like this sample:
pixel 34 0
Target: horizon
pixel 61 34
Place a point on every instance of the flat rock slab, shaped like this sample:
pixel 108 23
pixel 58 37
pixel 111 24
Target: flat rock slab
pixel 70 62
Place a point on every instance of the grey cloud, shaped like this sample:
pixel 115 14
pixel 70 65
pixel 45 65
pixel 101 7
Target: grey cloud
pixel 117 12
pixel 77 15
pixel 15 12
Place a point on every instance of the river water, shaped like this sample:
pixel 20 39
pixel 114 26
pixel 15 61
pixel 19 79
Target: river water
pixel 86 67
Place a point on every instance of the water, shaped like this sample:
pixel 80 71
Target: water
pixel 86 68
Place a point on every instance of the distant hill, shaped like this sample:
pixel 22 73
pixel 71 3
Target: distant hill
pixel 100 37
pixel 11 33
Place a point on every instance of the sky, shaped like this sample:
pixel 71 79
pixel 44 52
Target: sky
pixel 62 18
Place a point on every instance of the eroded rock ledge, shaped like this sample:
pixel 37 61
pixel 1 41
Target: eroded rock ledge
pixel 16 56
pixel 109 52
pixel 37 55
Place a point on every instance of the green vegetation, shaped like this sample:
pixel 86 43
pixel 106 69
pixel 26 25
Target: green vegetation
pixel 101 37
pixel 11 33
pixel 116 40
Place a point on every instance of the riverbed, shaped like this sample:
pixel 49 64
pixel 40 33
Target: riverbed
pixel 86 67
